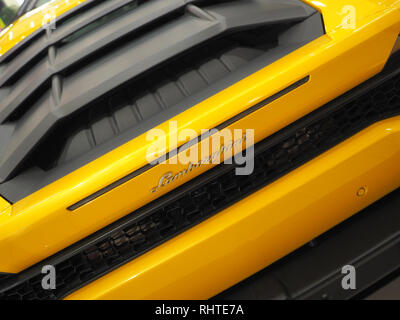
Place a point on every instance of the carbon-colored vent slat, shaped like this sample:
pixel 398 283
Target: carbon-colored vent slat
pixel 213 191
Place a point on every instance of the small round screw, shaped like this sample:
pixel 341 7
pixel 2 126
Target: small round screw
pixel 362 192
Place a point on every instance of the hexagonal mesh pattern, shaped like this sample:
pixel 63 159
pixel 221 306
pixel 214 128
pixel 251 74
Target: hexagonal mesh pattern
pixel 275 156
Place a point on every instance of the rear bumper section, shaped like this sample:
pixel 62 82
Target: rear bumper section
pixel 262 228
pixel 350 164
pixel 369 241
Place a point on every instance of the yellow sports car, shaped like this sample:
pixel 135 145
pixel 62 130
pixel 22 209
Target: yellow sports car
pixel 199 149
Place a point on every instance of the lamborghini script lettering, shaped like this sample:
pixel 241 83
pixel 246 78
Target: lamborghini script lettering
pixel 170 177
pixel 211 147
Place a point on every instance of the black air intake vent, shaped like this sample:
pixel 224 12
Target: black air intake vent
pixel 159 90
pixel 214 190
pixel 122 67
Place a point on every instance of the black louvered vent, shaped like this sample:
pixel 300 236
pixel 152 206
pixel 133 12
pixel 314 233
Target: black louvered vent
pixel 213 191
pixel 160 90
pixel 119 68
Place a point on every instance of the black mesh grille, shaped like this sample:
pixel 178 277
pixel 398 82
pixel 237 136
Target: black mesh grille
pixel 213 191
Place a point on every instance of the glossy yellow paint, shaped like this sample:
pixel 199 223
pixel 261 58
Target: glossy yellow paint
pixel 32 21
pixel 4 206
pixel 40 225
pixel 397 45
pixel 263 227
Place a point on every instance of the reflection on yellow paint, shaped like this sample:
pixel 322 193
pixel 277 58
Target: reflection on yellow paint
pixel 4 205
pixel 318 4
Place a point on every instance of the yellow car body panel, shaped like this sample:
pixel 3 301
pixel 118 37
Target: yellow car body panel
pixel 4 205
pixel 40 225
pixel 265 226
